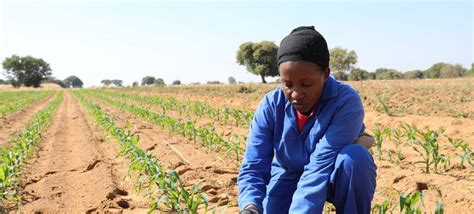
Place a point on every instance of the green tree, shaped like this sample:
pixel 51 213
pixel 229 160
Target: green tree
pixel 160 82
pixel 148 80
pixel 55 81
pixel 259 58
pixel 73 81
pixel 177 82
pixel 106 82
pixel 232 80
pixel 387 74
pixel 472 68
pixel 341 61
pixel 2 81
pixel 27 70
pixel 372 76
pixel 452 71
pixel 434 71
pixel 415 74
pixel 117 83
pixel 358 74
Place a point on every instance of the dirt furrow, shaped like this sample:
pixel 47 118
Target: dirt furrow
pixel 14 122
pixel 74 171
pixel 195 164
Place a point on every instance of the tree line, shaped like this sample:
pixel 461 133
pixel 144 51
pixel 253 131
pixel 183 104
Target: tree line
pixel 31 72
pixel 260 59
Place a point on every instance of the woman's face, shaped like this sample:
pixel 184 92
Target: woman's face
pixel 302 83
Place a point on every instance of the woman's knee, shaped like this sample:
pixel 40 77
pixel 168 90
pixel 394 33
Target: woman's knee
pixel 355 156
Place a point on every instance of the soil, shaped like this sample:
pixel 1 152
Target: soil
pixel 74 171
pixel 15 121
pixel 195 164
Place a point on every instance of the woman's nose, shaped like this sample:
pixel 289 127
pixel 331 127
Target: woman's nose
pixel 295 95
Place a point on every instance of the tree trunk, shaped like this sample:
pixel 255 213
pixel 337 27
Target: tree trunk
pixel 263 78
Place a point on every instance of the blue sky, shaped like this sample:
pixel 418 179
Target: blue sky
pixel 196 41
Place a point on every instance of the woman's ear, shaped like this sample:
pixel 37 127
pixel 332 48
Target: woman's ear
pixel 326 73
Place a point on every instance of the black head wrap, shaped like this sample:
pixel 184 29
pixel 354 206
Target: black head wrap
pixel 304 44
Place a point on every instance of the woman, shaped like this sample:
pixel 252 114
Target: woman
pixel 300 150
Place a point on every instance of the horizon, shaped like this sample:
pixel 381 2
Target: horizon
pixel 196 41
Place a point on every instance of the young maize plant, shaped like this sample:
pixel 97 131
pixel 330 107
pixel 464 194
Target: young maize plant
pixel 409 202
pixel 22 102
pixel 21 147
pixel 466 155
pixel 205 134
pixel 164 186
pixel 397 136
pixel 199 109
pixel 379 134
pixel 431 154
pixel 384 207
pixel 12 96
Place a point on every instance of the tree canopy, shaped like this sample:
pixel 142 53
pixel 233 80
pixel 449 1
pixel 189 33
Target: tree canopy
pixel 148 80
pixel 341 62
pixel 259 58
pixel 106 82
pixel 27 70
pixel 73 81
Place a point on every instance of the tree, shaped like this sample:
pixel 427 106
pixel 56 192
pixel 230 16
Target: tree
pixel 259 58
pixel 232 80
pixel 387 74
pixel 148 80
pixel 160 82
pixel 341 61
pixel 415 74
pixel 2 81
pixel 135 84
pixel 358 74
pixel 472 68
pixel 434 71
pixel 177 82
pixel 106 82
pixel 117 83
pixel 27 70
pixel 55 81
pixel 371 76
pixel 452 71
pixel 213 82
pixel 73 81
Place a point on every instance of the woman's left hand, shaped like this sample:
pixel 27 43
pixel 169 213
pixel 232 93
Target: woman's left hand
pixel 366 140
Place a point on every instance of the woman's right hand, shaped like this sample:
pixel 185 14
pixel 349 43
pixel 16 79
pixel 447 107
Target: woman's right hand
pixel 250 209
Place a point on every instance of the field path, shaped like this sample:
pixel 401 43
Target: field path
pixel 15 121
pixel 195 164
pixel 74 171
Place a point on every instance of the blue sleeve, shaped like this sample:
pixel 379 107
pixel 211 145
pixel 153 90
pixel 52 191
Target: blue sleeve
pixel 343 130
pixel 256 167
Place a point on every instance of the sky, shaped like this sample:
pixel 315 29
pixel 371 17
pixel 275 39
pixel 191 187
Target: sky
pixel 197 41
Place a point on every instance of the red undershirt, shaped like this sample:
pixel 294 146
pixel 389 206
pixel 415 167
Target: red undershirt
pixel 301 120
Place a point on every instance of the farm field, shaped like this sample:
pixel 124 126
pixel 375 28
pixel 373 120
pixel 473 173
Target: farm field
pixel 178 148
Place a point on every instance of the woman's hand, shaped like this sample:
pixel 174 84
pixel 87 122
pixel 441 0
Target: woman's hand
pixel 366 140
pixel 250 209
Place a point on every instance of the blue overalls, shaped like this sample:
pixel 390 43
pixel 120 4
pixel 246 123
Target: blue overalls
pixel 287 172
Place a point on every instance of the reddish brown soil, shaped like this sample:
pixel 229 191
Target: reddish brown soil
pixel 74 171
pixel 195 164
pixel 15 121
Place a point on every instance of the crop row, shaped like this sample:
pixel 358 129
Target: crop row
pixel 426 143
pixel 164 186
pixel 231 116
pixel 13 157
pixel 206 134
pixel 19 101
